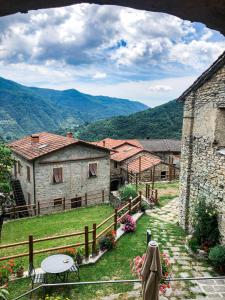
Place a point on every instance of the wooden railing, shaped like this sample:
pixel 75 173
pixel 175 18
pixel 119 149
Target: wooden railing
pixel 46 207
pixel 96 232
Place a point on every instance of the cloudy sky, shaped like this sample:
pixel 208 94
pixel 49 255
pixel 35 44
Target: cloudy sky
pixel 108 50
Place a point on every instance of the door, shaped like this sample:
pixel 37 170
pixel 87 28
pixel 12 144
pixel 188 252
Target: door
pixel 76 202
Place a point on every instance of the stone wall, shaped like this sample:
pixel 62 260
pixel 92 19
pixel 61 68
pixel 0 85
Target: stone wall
pixel 202 164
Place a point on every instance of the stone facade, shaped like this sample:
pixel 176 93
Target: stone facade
pixel 203 141
pixel 74 161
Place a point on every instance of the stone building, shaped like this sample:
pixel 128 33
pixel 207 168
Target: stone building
pixel 51 168
pixel 203 143
pixel 142 159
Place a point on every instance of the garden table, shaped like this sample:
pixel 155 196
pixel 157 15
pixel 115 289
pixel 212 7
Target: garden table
pixel 57 264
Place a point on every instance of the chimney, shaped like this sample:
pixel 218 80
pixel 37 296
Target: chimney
pixel 103 143
pixel 69 135
pixel 34 138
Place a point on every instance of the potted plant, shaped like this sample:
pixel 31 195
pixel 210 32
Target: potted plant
pixel 129 224
pixel 79 256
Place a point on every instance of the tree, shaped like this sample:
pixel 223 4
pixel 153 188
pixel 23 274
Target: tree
pixel 6 164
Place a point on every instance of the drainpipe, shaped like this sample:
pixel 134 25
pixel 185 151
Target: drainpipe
pixel 190 161
pixel 34 181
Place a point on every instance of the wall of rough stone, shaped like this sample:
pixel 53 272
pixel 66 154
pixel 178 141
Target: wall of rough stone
pixel 202 165
pixel 74 161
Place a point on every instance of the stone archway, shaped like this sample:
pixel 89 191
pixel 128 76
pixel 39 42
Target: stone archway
pixel 211 13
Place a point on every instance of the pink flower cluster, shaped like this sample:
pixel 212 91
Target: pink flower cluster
pixel 129 224
pixel 136 265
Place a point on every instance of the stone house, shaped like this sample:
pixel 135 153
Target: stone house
pixel 51 168
pixel 203 143
pixel 131 159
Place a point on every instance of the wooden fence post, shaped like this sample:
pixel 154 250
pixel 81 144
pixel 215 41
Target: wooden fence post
pixel 140 199
pixel 94 240
pixel 136 182
pixel 86 242
pixel 39 208
pixel 64 203
pixel 103 196
pixel 129 207
pixel 115 219
pixel 31 253
pixel 156 196
pixel 35 209
pixel 85 199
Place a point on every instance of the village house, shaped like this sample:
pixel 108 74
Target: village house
pixel 132 160
pixel 203 143
pixel 51 169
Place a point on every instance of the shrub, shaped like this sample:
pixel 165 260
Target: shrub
pixel 217 256
pixel 107 242
pixel 193 244
pixel 205 224
pixel 69 251
pixel 127 191
pixel 129 223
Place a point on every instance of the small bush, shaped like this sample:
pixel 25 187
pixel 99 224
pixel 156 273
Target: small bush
pixel 193 244
pixel 129 223
pixel 107 242
pixel 217 256
pixel 205 224
pixel 128 191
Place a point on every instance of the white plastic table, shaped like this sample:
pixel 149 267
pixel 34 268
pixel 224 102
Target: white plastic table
pixel 57 264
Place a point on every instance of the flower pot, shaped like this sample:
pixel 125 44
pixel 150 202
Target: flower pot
pixel 19 272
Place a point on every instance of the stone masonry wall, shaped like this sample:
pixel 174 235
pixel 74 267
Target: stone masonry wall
pixel 202 166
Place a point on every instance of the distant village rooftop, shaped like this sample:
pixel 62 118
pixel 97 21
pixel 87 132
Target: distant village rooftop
pixel 39 144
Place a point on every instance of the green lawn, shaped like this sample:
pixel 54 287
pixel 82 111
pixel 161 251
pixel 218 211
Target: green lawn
pixel 50 225
pixel 115 264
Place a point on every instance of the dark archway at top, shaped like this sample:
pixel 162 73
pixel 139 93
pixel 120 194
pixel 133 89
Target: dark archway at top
pixel 209 12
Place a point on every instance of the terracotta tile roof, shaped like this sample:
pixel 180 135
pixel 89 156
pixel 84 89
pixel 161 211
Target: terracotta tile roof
pixel 124 152
pixel 111 143
pixel 147 162
pixel 161 145
pixel 48 142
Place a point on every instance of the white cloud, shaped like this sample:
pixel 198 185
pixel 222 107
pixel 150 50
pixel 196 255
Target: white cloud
pixel 100 75
pixel 160 88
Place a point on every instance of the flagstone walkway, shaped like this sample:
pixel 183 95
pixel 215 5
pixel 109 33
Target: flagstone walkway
pixel 163 223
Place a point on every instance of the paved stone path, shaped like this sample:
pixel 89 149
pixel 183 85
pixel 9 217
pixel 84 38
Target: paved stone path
pixel 164 228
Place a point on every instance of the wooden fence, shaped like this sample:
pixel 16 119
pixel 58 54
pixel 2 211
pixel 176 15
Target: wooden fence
pixel 56 205
pixel 90 236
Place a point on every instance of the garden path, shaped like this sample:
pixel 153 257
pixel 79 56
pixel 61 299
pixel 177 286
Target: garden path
pixel 163 223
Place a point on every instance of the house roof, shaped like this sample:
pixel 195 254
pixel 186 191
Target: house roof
pixel 48 142
pixel 124 152
pixel 205 76
pixel 112 143
pixel 161 145
pixel 144 162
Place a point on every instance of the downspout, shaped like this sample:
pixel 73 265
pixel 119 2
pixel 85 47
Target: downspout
pixel 34 181
pixel 190 161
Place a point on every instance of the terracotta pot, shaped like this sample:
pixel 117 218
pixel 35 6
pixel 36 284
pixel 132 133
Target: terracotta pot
pixel 20 272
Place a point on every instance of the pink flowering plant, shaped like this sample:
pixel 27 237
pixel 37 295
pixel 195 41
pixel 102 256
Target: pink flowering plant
pixel 129 223
pixel 138 261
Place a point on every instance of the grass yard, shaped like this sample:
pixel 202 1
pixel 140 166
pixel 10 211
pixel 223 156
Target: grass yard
pixel 50 225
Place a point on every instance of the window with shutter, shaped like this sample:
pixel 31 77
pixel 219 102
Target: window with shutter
pixel 93 170
pixel 57 175
pixel 28 173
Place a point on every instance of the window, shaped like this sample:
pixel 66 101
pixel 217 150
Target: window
pixel 93 170
pixel 57 175
pixel 163 175
pixel 28 198
pixel 76 202
pixel 115 164
pixel 57 202
pixel 28 173
pixel 19 167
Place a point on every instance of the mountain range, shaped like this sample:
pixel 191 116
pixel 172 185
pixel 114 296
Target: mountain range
pixel 25 110
pixel 164 121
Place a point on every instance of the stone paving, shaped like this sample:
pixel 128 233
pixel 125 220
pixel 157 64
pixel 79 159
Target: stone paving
pixel 163 225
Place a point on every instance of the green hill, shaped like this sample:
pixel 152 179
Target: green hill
pixel 24 110
pixel 164 121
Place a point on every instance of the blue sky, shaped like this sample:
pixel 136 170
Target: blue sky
pixel 107 50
